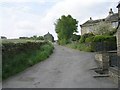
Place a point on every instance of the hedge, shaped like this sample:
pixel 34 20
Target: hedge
pixel 83 37
pixel 101 43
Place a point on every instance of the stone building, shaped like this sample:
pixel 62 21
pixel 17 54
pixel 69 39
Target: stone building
pixel 114 71
pixel 118 32
pixel 90 25
pixel 118 44
pixel 3 37
pixel 49 37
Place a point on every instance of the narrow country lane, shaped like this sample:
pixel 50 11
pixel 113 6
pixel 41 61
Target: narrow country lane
pixel 66 68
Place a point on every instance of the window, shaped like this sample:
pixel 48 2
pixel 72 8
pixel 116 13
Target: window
pixel 114 24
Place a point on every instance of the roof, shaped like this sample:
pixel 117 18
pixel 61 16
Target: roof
pixel 91 22
pixel 112 18
pixel 118 5
pixel 48 34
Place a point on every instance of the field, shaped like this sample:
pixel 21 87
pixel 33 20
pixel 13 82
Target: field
pixel 19 54
pixel 19 40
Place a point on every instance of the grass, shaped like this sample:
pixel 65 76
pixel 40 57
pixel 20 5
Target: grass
pixel 19 40
pixel 80 46
pixel 21 61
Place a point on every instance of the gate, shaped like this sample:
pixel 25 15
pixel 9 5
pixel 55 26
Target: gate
pixel 113 59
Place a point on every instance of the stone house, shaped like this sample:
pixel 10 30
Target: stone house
pixel 3 37
pixel 90 25
pixel 115 71
pixel 118 32
pixel 49 37
pixel 118 44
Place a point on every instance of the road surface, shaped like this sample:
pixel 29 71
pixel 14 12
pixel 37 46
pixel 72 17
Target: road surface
pixel 66 68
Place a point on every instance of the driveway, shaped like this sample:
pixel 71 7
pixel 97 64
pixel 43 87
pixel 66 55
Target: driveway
pixel 66 68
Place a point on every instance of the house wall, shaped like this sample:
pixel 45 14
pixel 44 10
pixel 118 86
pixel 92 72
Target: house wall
pixel 84 30
pixel 87 29
pixel 118 41
pixel 118 35
pixel 49 38
pixel 115 72
pixel 91 28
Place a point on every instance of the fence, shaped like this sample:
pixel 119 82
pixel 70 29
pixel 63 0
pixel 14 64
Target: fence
pixel 114 59
pixel 105 46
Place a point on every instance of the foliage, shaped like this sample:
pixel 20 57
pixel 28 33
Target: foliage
pixel 104 28
pixel 35 37
pixel 17 57
pixel 65 27
pixel 20 40
pixel 81 47
pixel 101 38
pixel 40 38
pixel 75 37
pixel 96 43
pixel 84 36
pixel 89 39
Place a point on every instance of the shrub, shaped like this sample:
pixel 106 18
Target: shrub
pixel 97 43
pixel 83 37
pixel 101 38
pixel 89 39
pixel 75 37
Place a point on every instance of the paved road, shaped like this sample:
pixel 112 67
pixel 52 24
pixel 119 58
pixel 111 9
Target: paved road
pixel 66 68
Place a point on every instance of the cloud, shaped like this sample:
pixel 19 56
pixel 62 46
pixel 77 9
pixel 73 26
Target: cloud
pixel 37 17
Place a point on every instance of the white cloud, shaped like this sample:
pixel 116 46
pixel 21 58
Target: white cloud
pixel 20 21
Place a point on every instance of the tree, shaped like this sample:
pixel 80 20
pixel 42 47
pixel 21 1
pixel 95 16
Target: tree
pixel 40 38
pixel 65 27
pixel 104 29
pixel 75 37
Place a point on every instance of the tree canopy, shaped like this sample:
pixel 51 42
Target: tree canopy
pixel 65 27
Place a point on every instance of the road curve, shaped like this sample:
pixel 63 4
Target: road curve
pixel 66 68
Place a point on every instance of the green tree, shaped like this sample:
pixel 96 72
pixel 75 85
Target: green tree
pixel 40 38
pixel 75 37
pixel 65 27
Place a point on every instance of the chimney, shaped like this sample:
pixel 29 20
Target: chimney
pixel 111 12
pixel 90 18
pixel 118 6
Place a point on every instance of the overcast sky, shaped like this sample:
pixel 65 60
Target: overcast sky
pixel 37 17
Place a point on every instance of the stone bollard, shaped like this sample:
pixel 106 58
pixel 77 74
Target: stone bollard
pixel 102 59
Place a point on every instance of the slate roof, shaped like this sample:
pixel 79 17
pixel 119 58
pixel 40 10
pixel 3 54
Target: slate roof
pixel 48 34
pixel 110 18
pixel 92 22
pixel 118 5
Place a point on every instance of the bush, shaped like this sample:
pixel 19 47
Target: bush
pixel 89 39
pixel 83 37
pixel 96 43
pixel 75 37
pixel 101 38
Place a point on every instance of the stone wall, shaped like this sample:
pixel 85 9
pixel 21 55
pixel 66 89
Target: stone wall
pixel 118 42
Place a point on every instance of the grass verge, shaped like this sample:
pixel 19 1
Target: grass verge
pixel 81 47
